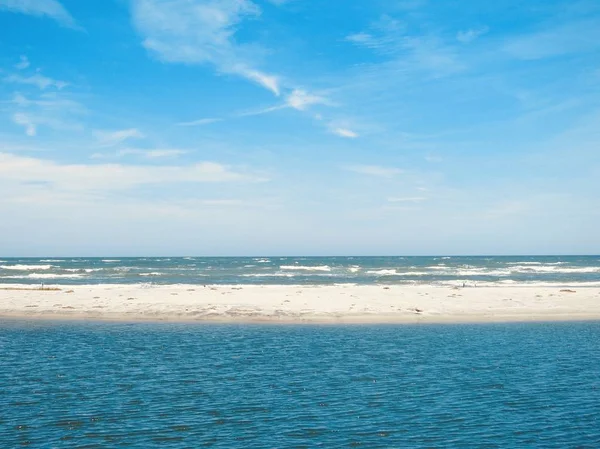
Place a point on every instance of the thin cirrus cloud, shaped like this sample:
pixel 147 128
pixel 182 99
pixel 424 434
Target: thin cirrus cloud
pixel 200 122
pixel 471 34
pixel 111 138
pixel 42 8
pixel 194 32
pixel 298 99
pixel 147 154
pixel 412 199
pixel 27 122
pixel 23 64
pixel 39 80
pixel 111 177
pixel 374 170
pixel 344 132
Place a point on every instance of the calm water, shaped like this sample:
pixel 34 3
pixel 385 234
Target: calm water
pixel 528 270
pixel 73 385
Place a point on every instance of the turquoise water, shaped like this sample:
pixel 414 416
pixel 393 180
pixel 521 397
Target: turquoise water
pixel 94 385
pixel 523 270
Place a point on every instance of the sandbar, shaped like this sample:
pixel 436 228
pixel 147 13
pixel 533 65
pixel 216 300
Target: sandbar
pixel 301 304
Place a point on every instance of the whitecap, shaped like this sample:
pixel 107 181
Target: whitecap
pixel 305 268
pixel 152 274
pixel 25 267
pixel 111 260
pixel 263 275
pixel 52 260
pixel 383 272
pixel 48 276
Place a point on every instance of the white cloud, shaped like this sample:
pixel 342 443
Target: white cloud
pixel 152 154
pixel 408 52
pixel 269 82
pixel 375 170
pixel 415 199
pixel 110 138
pixel 49 8
pixel 360 38
pixel 470 35
pixel 51 109
pixel 344 132
pixel 201 32
pixel 301 100
pixel 570 38
pixel 433 158
pixel 23 64
pixel 25 120
pixel 200 122
pixel 111 177
pixel 41 81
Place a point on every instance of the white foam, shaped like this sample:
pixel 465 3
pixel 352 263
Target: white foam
pixel 52 260
pixel 25 267
pixel 154 273
pixel 305 268
pixel 383 272
pixel 262 275
pixel 47 276
pixel 111 260
pixel 555 269
pixel 354 269
pixel 262 260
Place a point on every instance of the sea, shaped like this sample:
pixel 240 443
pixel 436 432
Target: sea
pixel 119 385
pixel 442 270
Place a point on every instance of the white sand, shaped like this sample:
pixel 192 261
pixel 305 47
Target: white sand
pixel 301 304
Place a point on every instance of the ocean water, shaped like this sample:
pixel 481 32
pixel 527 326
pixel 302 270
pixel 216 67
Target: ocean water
pixel 99 385
pixel 548 270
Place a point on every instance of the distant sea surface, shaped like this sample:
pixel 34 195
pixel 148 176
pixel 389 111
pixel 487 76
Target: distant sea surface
pixel 97 385
pixel 525 270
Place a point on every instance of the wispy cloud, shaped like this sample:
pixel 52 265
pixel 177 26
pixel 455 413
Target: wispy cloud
pixel 23 64
pixel 302 100
pixel 26 121
pixel 344 132
pixel 39 80
pixel 413 199
pixel 471 34
pixel 433 158
pixel 201 32
pixel 575 37
pixel 111 138
pixel 112 177
pixel 48 8
pixel 51 109
pixel 375 170
pixel 200 122
pixel 144 153
pixel 410 51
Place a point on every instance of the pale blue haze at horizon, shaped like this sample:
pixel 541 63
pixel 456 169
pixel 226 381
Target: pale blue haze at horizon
pixel 279 127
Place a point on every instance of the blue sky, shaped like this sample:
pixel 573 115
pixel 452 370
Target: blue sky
pixel 247 127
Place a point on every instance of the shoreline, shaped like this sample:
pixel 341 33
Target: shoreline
pixel 297 304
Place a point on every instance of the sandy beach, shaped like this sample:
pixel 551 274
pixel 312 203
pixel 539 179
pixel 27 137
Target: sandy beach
pixel 302 304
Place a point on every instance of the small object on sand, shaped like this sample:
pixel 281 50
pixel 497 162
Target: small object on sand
pixel 566 290
pixel 70 291
pixel 418 310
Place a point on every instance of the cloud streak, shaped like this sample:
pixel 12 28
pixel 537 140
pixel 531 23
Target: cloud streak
pixel 201 32
pixel 375 170
pixel 39 80
pixel 111 138
pixel 111 177
pixel 42 8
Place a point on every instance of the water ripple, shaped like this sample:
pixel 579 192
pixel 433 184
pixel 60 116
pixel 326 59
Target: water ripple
pixel 222 386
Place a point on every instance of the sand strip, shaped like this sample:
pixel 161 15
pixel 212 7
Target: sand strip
pixel 303 304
